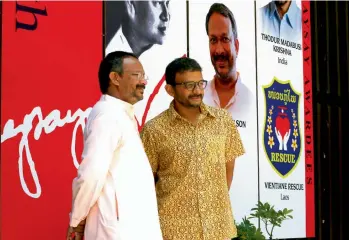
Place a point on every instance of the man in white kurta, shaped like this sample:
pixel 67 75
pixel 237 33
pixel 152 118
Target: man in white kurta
pixel 114 190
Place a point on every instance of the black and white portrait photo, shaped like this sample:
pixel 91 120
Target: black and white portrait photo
pixel 155 31
pixel 142 24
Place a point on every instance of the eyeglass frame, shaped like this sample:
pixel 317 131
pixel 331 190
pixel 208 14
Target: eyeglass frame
pixel 140 75
pixel 194 86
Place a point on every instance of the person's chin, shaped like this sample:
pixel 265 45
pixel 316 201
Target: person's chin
pixel 195 102
pixel 195 105
pixel 159 41
pixel 222 72
pixel 139 96
pixel 160 38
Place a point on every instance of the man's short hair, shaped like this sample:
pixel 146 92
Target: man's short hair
pixel 224 11
pixel 180 65
pixel 113 62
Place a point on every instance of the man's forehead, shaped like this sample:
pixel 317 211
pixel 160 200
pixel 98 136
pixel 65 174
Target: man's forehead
pixel 131 63
pixel 189 75
pixel 219 25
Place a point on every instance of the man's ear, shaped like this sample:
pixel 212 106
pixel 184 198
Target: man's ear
pixel 237 46
pixel 130 8
pixel 114 77
pixel 170 90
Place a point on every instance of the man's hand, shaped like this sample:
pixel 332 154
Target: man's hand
pixel 279 138
pixel 285 140
pixel 229 172
pixel 76 233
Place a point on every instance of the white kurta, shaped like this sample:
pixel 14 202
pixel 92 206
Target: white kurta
pixel 114 166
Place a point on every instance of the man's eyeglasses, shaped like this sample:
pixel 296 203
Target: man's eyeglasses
pixel 192 85
pixel 139 75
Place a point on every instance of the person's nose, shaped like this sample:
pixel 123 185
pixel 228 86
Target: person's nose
pixel 165 15
pixel 219 48
pixel 197 90
pixel 144 81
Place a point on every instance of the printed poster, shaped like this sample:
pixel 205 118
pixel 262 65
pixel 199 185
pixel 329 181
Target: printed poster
pixel 281 132
pixel 244 188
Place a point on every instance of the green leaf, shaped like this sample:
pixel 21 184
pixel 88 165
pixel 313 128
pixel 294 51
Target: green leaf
pixel 268 215
pixel 267 206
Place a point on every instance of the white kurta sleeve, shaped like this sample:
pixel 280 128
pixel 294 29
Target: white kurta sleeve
pixel 100 143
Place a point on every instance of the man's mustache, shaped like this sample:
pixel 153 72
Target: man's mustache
pixel 195 96
pixel 220 57
pixel 141 86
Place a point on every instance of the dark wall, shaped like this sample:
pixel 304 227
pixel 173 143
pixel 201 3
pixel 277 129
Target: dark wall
pixel 330 56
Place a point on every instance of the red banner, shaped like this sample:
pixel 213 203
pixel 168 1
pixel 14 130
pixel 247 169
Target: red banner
pixel 309 141
pixel 50 57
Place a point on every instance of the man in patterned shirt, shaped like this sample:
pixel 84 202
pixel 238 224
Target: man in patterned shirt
pixel 192 150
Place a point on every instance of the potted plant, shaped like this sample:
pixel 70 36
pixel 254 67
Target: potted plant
pixel 268 215
pixel 246 231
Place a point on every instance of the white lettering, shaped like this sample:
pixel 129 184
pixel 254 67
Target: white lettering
pixel 49 124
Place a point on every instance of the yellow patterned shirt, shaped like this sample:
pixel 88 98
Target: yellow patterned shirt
pixel 190 162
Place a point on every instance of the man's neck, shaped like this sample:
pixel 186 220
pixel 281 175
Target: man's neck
pixel 116 94
pixel 226 89
pixel 283 9
pixel 190 114
pixel 137 45
pixel 225 84
pixel 113 93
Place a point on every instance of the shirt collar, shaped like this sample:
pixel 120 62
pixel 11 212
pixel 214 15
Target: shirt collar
pixel 235 95
pixel 238 82
pixel 205 111
pixel 129 108
pixel 290 14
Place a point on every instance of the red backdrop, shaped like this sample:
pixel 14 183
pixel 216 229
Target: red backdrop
pixel 47 67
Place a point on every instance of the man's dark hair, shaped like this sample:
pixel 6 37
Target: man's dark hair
pixel 113 62
pixel 224 11
pixel 180 65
